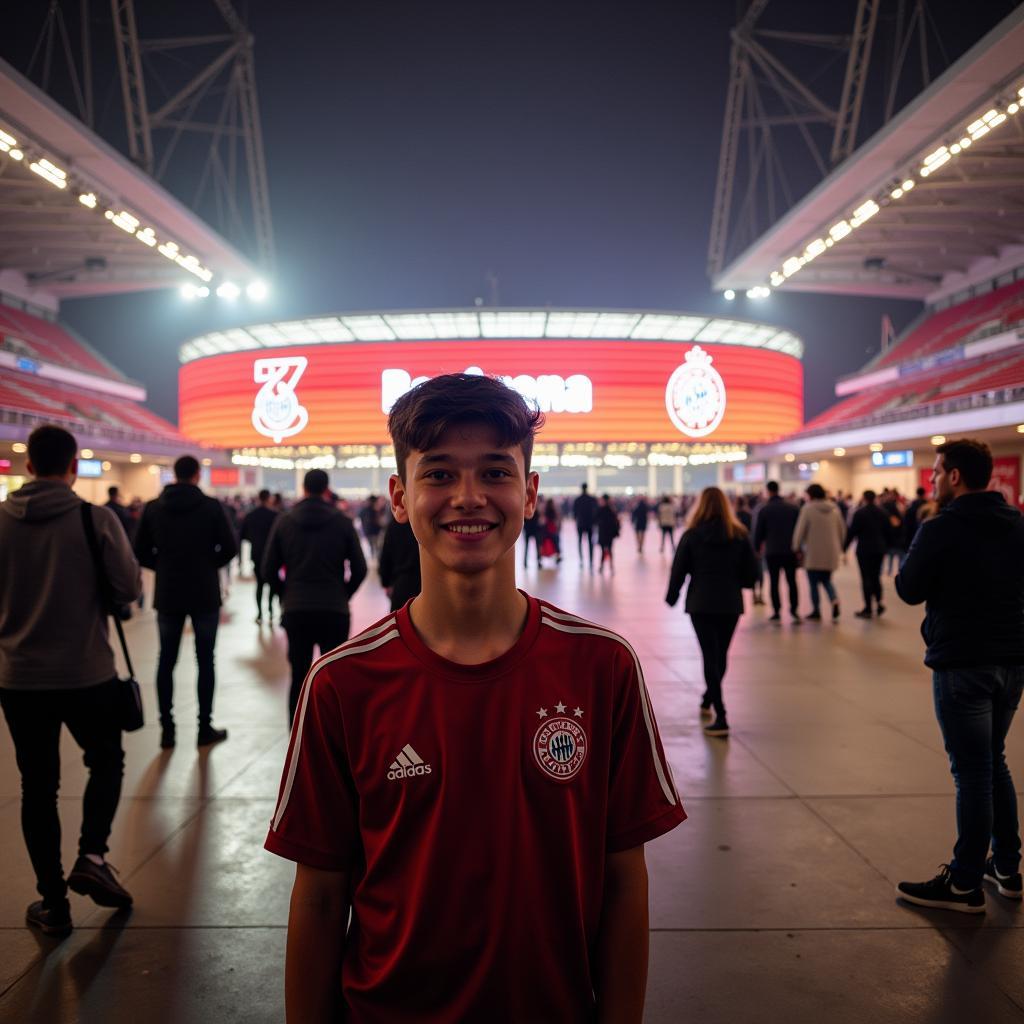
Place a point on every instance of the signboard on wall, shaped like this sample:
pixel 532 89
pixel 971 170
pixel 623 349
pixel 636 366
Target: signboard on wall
pixel 1006 478
pixel 893 460
pixel 589 390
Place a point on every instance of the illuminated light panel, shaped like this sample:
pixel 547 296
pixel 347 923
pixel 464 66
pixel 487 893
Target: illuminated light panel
pixel 839 231
pixel 908 185
pixel 7 142
pixel 816 248
pixel 135 458
pixel 728 295
pixel 86 453
pixel 88 199
pixel 838 452
pixel 125 221
pixel 257 291
pixel 49 172
pixel 19 447
pixel 455 325
pixel 864 212
pixel 1020 428
pixel 876 447
pixel 369 328
pixel 228 290
pixel 512 325
pixel 16 154
pixel 789 457
pixel 146 236
pixel 896 193
pixel 939 439
pixel 412 326
pixel 106 467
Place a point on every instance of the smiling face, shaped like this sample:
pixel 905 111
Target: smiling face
pixel 466 499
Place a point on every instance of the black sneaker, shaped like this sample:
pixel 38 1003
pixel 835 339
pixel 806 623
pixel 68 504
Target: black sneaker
pixel 208 735
pixel 881 608
pixel 1009 886
pixel 835 610
pixel 864 613
pixel 815 616
pixel 705 708
pixel 719 727
pixel 942 894
pixel 775 618
pixel 796 618
pixel 55 921
pixel 97 881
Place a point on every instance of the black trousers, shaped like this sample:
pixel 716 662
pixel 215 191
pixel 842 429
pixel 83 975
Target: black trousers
pixel 783 563
pixel 870 566
pixel 34 718
pixel 273 585
pixel 588 533
pixel 306 630
pixel 527 537
pixel 714 634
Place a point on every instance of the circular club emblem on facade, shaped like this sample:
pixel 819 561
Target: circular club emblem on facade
pixel 695 395
pixel 560 747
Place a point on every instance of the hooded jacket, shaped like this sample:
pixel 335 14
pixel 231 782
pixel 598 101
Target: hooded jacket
pixel 185 536
pixel 719 568
pixel 967 563
pixel 313 542
pixel 53 632
pixel 820 530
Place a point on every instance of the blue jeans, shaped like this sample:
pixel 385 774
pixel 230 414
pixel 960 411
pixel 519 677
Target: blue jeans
pixel 820 578
pixel 975 707
pixel 171 626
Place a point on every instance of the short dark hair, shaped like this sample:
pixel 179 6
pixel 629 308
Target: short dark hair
pixel 815 492
pixel 422 415
pixel 921 492
pixel 315 482
pixel 972 458
pixel 772 487
pixel 112 492
pixel 870 496
pixel 583 487
pixel 264 495
pixel 185 468
pixel 51 450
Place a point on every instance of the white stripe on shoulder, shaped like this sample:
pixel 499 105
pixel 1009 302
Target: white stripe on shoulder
pixel 300 715
pixel 557 613
pixel 663 771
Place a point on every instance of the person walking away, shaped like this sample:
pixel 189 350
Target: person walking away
pixel 967 565
pixel 584 511
pixel 552 542
pixel 607 523
pixel 124 517
pixel 773 537
pixel 57 670
pixel 666 511
pixel 533 529
pixel 477 729
pixel 640 517
pixel 820 533
pixel 256 529
pixel 746 516
pixel 912 518
pixel 316 543
pixel 869 527
pixel 399 564
pixel 185 538
pixel 716 553
pixel 369 520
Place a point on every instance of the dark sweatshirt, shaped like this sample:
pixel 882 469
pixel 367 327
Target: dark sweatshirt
pixel 53 633
pixel 185 536
pixel 967 563
pixel 719 568
pixel 313 542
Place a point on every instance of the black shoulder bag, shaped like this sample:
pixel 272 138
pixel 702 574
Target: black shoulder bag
pixel 129 697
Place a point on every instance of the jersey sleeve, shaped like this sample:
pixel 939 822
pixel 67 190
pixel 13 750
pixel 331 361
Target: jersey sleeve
pixel 642 800
pixel 316 820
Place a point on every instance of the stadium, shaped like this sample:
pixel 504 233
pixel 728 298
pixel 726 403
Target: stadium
pixel 834 784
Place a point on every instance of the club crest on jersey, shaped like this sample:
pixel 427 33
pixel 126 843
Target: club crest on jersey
pixel 560 744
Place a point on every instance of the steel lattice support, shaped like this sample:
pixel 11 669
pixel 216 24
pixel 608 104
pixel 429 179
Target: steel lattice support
pixel 845 139
pixel 133 84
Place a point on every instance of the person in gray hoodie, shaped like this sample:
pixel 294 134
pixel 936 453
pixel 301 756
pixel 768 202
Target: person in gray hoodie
pixel 57 669
pixel 313 542
pixel 819 534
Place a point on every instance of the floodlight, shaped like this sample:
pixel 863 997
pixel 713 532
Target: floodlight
pixel 189 292
pixel 228 290
pixel 16 154
pixel 838 452
pixel 202 291
pixel 789 457
pixel 729 295
pixel 86 453
pixel 257 291
pixel 88 199
pixel 135 458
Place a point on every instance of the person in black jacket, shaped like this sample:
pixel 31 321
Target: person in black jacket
pixel 607 522
pixel 773 537
pixel 715 552
pixel 185 536
pixel 584 511
pixel 871 529
pixel 399 564
pixel 256 529
pixel 967 564
pixel 640 517
pixel 314 542
pixel 533 529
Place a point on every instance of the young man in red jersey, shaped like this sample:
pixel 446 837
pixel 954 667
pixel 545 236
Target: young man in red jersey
pixel 475 775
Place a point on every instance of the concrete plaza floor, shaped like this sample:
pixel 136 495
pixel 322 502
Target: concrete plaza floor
pixel 773 902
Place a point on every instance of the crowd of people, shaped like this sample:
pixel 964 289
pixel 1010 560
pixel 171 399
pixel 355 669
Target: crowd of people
pixel 451 522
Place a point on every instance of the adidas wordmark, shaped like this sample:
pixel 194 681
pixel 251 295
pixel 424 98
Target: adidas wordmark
pixel 407 764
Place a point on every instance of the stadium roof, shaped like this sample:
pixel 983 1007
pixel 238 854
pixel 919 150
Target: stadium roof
pixel 929 202
pixel 453 324
pixel 79 219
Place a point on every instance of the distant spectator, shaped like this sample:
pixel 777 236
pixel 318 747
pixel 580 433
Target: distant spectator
pixel 399 564
pixel 912 518
pixel 871 529
pixel 256 529
pixel 607 522
pixel 533 530
pixel 773 537
pixel 584 511
pixel 819 533
pixel 185 537
pixel 124 517
pixel 640 518
pixel 666 511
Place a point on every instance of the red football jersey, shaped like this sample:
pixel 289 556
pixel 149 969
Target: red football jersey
pixel 474 806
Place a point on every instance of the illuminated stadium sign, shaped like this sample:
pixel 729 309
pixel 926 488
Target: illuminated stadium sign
pixel 590 390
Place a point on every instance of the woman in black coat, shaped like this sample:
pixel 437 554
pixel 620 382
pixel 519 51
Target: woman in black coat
pixel 715 552
pixel 607 522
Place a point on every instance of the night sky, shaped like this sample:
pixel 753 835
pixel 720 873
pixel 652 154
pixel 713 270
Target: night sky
pixel 570 149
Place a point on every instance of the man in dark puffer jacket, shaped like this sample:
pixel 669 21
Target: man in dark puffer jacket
pixel 967 563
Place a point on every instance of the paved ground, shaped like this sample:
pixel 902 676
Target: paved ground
pixel 773 902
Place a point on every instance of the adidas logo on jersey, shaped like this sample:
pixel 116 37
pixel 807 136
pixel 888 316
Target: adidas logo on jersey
pixel 407 764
